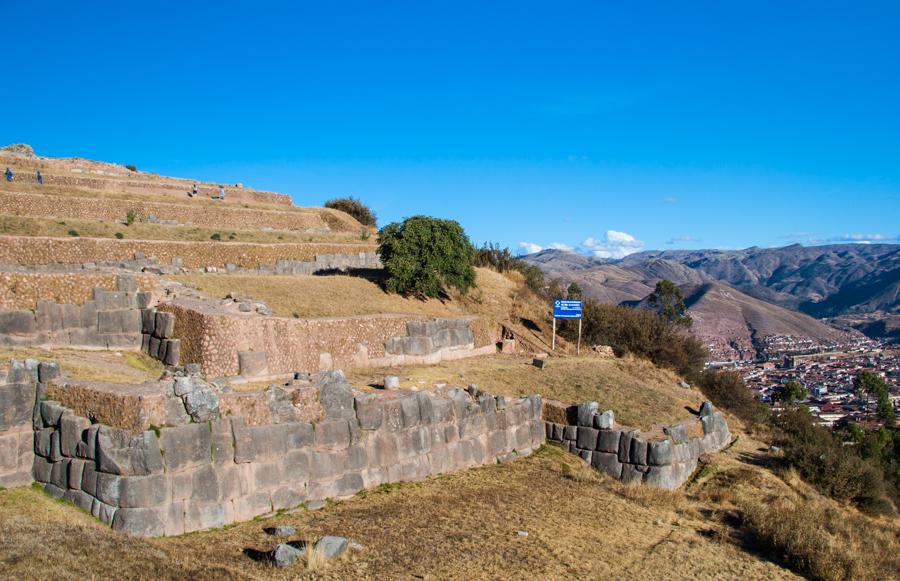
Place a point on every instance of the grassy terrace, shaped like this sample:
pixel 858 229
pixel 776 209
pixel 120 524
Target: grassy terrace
pixel 459 526
pixel 641 394
pixel 60 228
pixel 124 367
pixel 335 296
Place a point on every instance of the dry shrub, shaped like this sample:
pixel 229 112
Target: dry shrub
pixel 651 497
pixel 824 542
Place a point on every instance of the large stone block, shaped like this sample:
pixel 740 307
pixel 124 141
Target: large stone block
pixel 48 371
pixel 333 434
pixel 608 463
pixel 222 442
pixel 17 323
pixel 678 433
pixel 89 315
pixel 625 446
pixel 587 438
pixel 173 352
pixel 638 453
pixel 75 473
pixel 605 421
pixel 89 478
pixel 608 441
pixel 17 405
pixel 72 430
pixel 253 363
pixel 409 409
pixel 108 488
pixel 261 443
pixel 110 321
pixel 48 316
pixel 659 453
pixel 418 346
pixel 186 446
pixel 662 477
pixel 586 413
pixel 631 474
pixel 143 491
pixel 251 505
pixel 369 411
pixel 165 325
pixel 140 522
pixel 336 396
pixel 148 321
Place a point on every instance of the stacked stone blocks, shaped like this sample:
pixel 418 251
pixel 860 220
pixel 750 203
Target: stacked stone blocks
pixel 624 454
pixel 111 320
pixel 197 475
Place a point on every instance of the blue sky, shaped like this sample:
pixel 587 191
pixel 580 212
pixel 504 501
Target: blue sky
pixel 603 126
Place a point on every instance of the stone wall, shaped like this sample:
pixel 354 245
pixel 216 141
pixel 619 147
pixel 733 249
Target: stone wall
pixel 622 453
pixel 110 320
pixel 218 470
pixel 22 290
pixel 194 212
pixel 39 250
pixel 18 397
pixel 219 342
pixel 145 187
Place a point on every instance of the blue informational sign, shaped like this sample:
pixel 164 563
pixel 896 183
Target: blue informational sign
pixel 563 309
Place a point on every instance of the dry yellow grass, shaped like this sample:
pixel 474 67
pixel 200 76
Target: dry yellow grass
pixel 460 526
pixel 23 226
pixel 103 366
pixel 641 394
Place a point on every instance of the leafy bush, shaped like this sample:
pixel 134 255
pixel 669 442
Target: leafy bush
pixel 215 236
pixel 425 256
pixel 501 259
pixel 131 167
pixel 824 461
pixel 728 391
pixel 73 232
pixel 130 217
pixel 363 214
pixel 641 333
pixel 119 235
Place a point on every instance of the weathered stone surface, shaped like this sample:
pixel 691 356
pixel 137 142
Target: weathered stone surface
pixel 605 421
pixel 625 446
pixel 148 321
pixel 660 453
pixel 186 446
pixel 202 405
pixel 587 438
pixel 608 463
pixel 678 433
pixel 71 432
pixel 165 325
pixel 173 352
pixel 330 547
pixel 369 411
pixel 409 410
pixel 608 441
pixel 282 531
pixel 262 443
pixel 333 434
pixel 336 396
pixel 17 323
pixel 285 555
pixel 141 522
pixel 638 454
pixel 706 409
pixel 631 475
pixel 48 371
pixel 75 473
pixel 17 402
pixel 570 432
pixel 586 413
pixel 391 382
pixel 143 491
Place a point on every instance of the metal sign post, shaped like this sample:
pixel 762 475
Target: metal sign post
pixel 564 309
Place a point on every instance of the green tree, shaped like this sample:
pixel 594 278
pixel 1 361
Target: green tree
pixel 790 392
pixel 868 384
pixel 426 256
pixel 574 291
pixel 668 302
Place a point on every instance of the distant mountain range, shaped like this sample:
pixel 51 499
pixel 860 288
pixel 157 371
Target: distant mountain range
pixel 737 294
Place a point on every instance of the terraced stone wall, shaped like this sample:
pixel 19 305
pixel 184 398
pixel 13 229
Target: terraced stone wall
pixel 219 342
pixel 193 212
pixel 625 455
pixel 23 290
pixel 110 320
pixel 39 250
pixel 204 474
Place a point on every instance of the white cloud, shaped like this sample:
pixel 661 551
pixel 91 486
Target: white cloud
pixel 614 244
pixel 684 238
pixel 529 247
pixel 561 246
pixel 864 238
